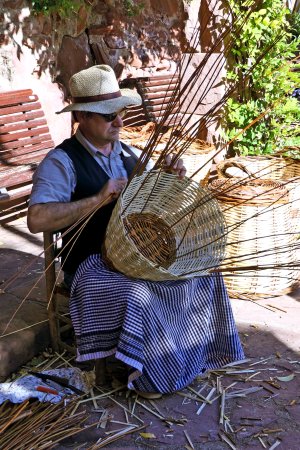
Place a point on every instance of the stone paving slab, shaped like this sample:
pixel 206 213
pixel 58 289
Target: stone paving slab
pixel 18 348
pixel 23 319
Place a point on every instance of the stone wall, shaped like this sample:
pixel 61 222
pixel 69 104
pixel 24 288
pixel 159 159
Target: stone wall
pixel 42 53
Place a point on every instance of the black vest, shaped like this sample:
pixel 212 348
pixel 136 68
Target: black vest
pixel 90 179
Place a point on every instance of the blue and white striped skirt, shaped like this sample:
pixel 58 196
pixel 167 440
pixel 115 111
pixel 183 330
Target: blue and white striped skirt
pixel 168 332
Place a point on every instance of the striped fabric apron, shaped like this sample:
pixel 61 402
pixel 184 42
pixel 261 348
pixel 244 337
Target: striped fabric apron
pixel 168 332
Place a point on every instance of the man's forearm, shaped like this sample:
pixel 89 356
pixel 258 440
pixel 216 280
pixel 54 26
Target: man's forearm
pixel 56 216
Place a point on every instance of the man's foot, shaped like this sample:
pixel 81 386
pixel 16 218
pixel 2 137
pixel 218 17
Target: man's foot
pixel 149 395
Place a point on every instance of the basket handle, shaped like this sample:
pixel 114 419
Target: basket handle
pixel 284 150
pixel 227 164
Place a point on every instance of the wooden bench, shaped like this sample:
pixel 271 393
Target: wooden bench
pixel 24 141
pixel 158 98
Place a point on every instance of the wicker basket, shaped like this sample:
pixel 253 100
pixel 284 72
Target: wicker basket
pixel 260 237
pixel 261 167
pixel 273 168
pixel 164 228
pixel 197 157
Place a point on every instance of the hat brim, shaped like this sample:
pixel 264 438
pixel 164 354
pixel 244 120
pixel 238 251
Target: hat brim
pixel 128 98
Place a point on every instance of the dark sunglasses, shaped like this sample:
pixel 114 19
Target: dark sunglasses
pixel 111 117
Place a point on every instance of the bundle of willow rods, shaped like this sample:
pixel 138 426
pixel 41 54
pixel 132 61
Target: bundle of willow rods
pixel 35 425
pixel 197 157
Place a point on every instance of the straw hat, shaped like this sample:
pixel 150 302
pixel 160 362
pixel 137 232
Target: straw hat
pixel 97 90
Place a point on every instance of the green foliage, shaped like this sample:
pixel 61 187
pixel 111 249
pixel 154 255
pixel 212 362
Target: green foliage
pixel 132 8
pixel 61 7
pixel 263 48
pixel 294 21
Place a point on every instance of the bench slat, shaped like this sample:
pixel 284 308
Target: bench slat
pixel 14 164
pixel 153 90
pixel 30 158
pixel 162 108
pixel 17 99
pixel 11 137
pixel 160 101
pixel 21 117
pixel 8 215
pixel 16 153
pixel 16 197
pixel 18 108
pixel 149 85
pixel 25 142
pixel 22 126
pixel 17 177
pixel 166 96
pixel 161 78
pixel 7 94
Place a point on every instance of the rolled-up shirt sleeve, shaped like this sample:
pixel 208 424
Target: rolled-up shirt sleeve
pixel 54 180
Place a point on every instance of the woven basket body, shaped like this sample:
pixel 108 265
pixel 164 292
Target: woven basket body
pixel 260 237
pixel 163 228
pixel 292 168
pixel 197 157
pixel 291 176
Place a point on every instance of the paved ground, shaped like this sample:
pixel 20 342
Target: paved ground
pixel 267 416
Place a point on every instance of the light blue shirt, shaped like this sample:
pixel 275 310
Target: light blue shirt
pixel 55 178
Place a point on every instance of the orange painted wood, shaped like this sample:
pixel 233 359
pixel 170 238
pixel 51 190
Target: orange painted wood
pixel 20 117
pixel 29 124
pixel 7 94
pixel 17 99
pixel 158 101
pixel 18 108
pixel 161 108
pixel 160 78
pixel 156 87
pixel 10 137
pixel 27 158
pixel 159 94
pixel 16 153
pixel 25 142
pixel 14 178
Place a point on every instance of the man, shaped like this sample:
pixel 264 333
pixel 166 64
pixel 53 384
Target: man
pixel 166 332
pixel 87 171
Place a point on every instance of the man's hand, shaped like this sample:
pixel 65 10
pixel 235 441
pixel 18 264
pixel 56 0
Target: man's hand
pixel 111 190
pixel 174 166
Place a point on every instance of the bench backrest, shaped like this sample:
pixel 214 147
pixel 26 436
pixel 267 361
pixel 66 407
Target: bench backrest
pixel 24 141
pixel 156 93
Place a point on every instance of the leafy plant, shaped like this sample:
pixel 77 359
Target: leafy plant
pixel 264 45
pixel 61 7
pixel 132 8
pixel 294 20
